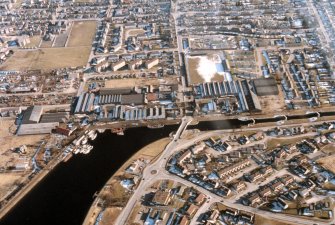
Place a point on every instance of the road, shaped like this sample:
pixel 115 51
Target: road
pixel 159 166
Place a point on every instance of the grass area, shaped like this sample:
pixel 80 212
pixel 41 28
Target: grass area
pixel 259 220
pixel 134 213
pixel 46 44
pixel 154 148
pixel 330 148
pixel 276 142
pixel 129 82
pixel 134 32
pixel 110 215
pixel 115 195
pixel 82 33
pixel 150 151
pixel 34 41
pixel 47 59
pixel 194 76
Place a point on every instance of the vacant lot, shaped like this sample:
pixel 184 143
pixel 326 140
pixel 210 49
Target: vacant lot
pixel 47 59
pixel 82 34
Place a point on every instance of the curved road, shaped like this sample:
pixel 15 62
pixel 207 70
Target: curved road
pixel 159 165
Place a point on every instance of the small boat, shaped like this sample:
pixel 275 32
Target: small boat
pixel 92 135
pixel 84 141
pixel 101 130
pixel 118 131
pixel 243 119
pixel 95 135
pixel 76 151
pixel 87 149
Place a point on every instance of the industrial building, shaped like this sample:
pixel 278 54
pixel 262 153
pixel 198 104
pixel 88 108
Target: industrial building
pixel 32 115
pixel 240 89
pixel 85 103
pixel 37 128
pixel 35 122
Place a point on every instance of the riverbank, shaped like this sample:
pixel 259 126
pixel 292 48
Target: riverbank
pixel 151 151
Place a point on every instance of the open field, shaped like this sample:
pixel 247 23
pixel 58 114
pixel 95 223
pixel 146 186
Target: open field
pixel 34 41
pixel 259 220
pixel 46 44
pixel 47 59
pixel 82 34
pixel 275 142
pixel 330 148
pixel 193 73
pixel 7 141
pixel 150 151
pixel 328 163
pixel 61 39
pixel 134 32
pixel 7 180
pixel 193 70
pixel 132 82
pixel 272 103
pixel 111 214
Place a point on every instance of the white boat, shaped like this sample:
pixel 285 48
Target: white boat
pixel 94 136
pixel 87 149
pixel 76 151
pixel 84 141
pixel 101 130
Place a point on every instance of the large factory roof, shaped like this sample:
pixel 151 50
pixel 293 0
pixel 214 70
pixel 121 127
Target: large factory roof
pixel 32 114
pixel 37 128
